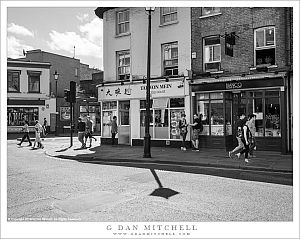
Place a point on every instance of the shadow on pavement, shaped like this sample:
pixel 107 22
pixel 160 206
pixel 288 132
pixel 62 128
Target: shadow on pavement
pixel 98 155
pixel 161 191
pixel 63 150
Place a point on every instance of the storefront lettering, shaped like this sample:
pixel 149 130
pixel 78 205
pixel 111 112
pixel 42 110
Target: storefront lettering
pixel 127 91
pixel 108 92
pixel 156 87
pixel 117 91
pixel 234 85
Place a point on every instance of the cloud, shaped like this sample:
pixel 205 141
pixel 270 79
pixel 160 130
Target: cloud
pixel 67 40
pixel 19 30
pixel 15 47
pixel 82 17
pixel 93 30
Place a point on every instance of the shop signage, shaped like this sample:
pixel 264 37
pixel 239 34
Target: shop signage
pixel 65 113
pixel 234 85
pixel 157 89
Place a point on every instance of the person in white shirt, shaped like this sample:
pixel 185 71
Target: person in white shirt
pixel 38 131
pixel 89 130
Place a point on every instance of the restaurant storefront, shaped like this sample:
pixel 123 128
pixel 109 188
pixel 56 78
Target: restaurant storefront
pixel 222 101
pixel 128 102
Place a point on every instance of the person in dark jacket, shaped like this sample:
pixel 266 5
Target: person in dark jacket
pixel 81 132
pixel 25 129
pixel 246 135
pixel 114 130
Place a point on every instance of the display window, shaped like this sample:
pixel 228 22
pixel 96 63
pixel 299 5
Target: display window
pixel 109 110
pixel 16 115
pixel 164 120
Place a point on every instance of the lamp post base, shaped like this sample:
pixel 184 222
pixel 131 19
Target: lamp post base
pixel 147 146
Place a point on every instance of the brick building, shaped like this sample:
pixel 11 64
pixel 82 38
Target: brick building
pixel 242 62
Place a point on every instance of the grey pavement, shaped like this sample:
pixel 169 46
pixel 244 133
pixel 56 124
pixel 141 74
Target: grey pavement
pixel 266 166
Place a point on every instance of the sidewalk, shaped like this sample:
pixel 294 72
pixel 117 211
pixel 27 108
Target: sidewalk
pixel 207 161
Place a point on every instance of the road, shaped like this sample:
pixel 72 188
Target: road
pixel 48 188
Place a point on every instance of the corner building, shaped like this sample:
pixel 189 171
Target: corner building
pixel 123 91
pixel 242 63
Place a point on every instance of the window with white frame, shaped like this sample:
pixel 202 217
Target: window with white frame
pixel 170 58
pixel 13 81
pixel 207 11
pixel 123 65
pixel 122 22
pixel 265 46
pixel 34 81
pixel 212 54
pixel 168 14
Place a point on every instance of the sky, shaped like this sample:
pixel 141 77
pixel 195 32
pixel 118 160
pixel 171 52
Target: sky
pixel 56 30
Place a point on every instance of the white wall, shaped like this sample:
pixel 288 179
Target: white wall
pixel 136 41
pixel 44 83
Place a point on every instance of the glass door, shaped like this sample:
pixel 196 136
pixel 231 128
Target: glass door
pixel 124 120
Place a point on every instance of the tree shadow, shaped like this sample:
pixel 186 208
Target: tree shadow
pixel 63 150
pixel 161 191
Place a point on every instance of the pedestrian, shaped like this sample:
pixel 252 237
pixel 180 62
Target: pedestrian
pixel 81 131
pixel 89 130
pixel 45 125
pixel 252 140
pixel 246 135
pixel 25 129
pixel 114 130
pixel 196 126
pixel 183 127
pixel 38 131
pixel 240 146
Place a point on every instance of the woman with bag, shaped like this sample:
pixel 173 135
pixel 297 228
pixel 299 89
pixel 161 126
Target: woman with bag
pixel 183 130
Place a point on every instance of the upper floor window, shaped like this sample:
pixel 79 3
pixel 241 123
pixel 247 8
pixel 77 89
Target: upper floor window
pixel 13 81
pixel 212 53
pixel 33 81
pixel 170 58
pixel 168 14
pixel 207 11
pixel 123 61
pixel 265 46
pixel 122 22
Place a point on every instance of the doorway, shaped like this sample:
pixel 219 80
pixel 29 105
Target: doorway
pixel 124 121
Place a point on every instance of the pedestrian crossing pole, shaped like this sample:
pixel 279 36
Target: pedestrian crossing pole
pixel 72 100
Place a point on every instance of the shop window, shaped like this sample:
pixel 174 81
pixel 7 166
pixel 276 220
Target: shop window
pixel 170 59
pixel 122 22
pixel 210 11
pixel 168 14
pixel 13 81
pixel 272 115
pixel 203 108
pixel 265 46
pixel 123 65
pixel 217 118
pixel 34 81
pixel 109 105
pixel 212 54
pixel 165 116
pixel 124 107
pixel 16 116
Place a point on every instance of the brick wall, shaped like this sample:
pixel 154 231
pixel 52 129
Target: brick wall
pixel 242 21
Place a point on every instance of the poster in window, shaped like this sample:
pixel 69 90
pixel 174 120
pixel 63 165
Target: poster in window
pixel 65 113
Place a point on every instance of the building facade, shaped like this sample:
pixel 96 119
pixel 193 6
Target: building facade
pixel 68 69
pixel 242 63
pixel 123 91
pixel 28 94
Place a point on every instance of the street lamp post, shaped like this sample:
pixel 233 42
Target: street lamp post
pixel 56 75
pixel 147 138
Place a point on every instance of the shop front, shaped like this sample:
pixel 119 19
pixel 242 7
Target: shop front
pixel 221 102
pixel 128 103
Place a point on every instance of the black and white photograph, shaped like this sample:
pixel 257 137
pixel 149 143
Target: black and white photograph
pixel 150 119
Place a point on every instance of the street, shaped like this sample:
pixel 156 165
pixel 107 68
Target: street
pixel 48 188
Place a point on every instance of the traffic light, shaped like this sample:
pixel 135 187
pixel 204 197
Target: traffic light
pixel 72 91
pixel 67 95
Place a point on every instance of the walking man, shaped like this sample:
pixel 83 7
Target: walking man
pixel 81 132
pixel 25 129
pixel 251 125
pixel 246 135
pixel 114 130
pixel 45 125
pixel 89 130
pixel 38 131
pixel 196 125
pixel 240 124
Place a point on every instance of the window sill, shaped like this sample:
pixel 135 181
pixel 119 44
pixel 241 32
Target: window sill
pixel 210 15
pixel 122 34
pixel 168 23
